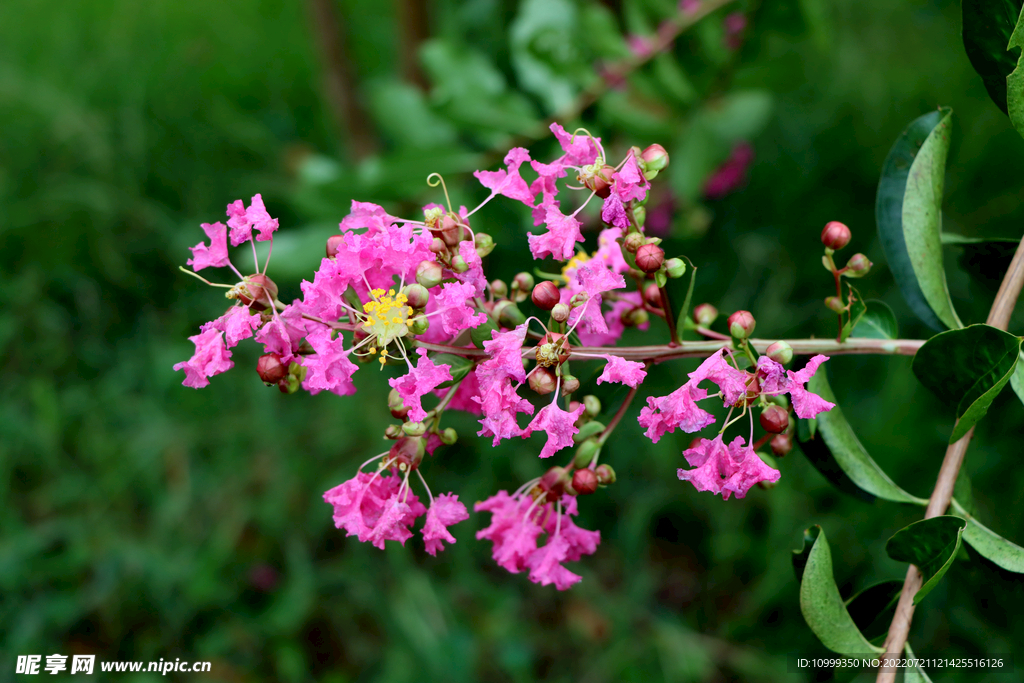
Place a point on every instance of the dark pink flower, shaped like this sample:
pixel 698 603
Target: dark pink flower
pixel 242 220
pixel 420 381
pixel 509 183
pixel 629 183
pixel 329 369
pixel 580 150
pixel 455 305
pixel 614 213
pixel 732 382
pixel 560 239
pixel 558 424
pixel 806 404
pixel 444 511
pixel 624 371
pixel 284 332
pixel 500 405
pixel 368 507
pixel 594 281
pixel 211 358
pixel 237 324
pixel 215 255
pixel 727 470
pixel 545 565
pixel 678 409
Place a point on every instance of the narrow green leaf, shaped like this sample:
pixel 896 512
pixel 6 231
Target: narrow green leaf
pixel 684 312
pixel 892 187
pixel 987 27
pixel 800 556
pixel 922 219
pixel 848 452
pixel 1017 381
pixel 931 545
pixel 873 607
pixel 989 544
pixel 1015 81
pixel 857 311
pixel 879 322
pixel 823 608
pixel 967 368
pixel 459 368
pixel 957 240
pixel 914 674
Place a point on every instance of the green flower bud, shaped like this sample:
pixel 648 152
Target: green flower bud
pixel 484 244
pixel 675 267
pixel 586 453
pixel 449 436
pixel 593 406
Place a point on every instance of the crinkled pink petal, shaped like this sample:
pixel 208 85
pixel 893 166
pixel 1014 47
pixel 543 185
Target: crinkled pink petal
pixel 558 424
pixel 560 239
pixel 475 275
pixel 500 404
pixel 581 541
pixel 330 368
pixel 237 324
pixel 215 255
pixel 322 297
pixel 456 311
pixel 727 470
pixel 732 382
pixel 580 150
pixel 420 381
pixel 391 525
pixel 509 184
pixel 546 568
pixel 514 535
pixel 614 213
pixel 623 371
pixel 241 228
pixel 594 280
pixel 210 358
pixel 613 318
pixel 609 252
pixel 284 332
pixel 443 512
pixel 771 376
pixel 506 355
pixel 806 404
pixel 678 409
pixel 630 184
pixel 257 215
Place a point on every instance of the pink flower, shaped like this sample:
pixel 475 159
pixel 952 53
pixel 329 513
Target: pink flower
pixel 455 310
pixel 731 175
pixel 500 404
pixel 614 213
pixel 732 382
pixel 560 239
pixel 368 507
pixel 322 297
pixel 727 470
pixel 385 250
pixel 594 282
pixel 510 184
pixel 242 220
pixel 613 317
pixel 506 355
pixel 580 150
pixel 475 275
pixel 609 253
pixel 559 426
pixel 512 531
pixel 237 324
pixel 806 404
pixel 623 371
pixel 545 565
pixel 211 358
pixel 444 511
pixel 420 381
pixel 678 409
pixel 468 388
pixel 284 332
pixel 630 183
pixel 771 376
pixel 330 367
pixel 545 186
pixel 215 255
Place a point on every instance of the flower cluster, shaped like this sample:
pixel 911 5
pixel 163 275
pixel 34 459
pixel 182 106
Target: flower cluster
pixel 398 293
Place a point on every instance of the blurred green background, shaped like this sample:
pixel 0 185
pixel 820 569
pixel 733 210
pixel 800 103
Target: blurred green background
pixel 140 519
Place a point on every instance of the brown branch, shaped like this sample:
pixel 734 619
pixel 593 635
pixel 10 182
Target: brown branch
pixel 339 85
pixel 414 26
pixel 899 629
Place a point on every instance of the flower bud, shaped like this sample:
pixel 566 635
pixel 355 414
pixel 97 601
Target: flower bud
pixel 586 453
pixel 560 313
pixel 640 215
pixel 633 241
pixel 429 274
pixel 257 291
pixel 396 405
pixel 270 368
pixel 579 299
pixel 600 182
pixel 781 444
pixel 333 244
pixel 288 385
pixel 775 419
pixel 438 246
pixel 652 295
pixel 409 451
pixel 416 295
pixel 484 244
pixel 499 289
pixel 543 381
pixel 592 406
pixel 637 317
pixel 834 304
pixel 393 432
pixel 780 352
pixel 741 324
pixel 554 482
pixel 419 325
pixel 705 315
pixel 449 436
pixel 569 384
pixel 522 282
pixel 414 428
pixel 649 258
pixel 654 158
pixel 459 264
pixel 858 266
pixel 835 235
pixel 451 232
pixel 584 482
pixel 676 267
pixel 508 314
pixel 545 295
pixel 605 474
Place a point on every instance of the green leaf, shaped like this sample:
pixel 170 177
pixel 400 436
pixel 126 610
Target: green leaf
pixel 956 240
pixel 849 454
pixel 930 545
pixel 987 28
pixel 1017 381
pixel 989 544
pixel 873 607
pixel 879 322
pixel 914 674
pixel 459 368
pixel 481 333
pixel 922 219
pixel 967 368
pixel 684 312
pixel 823 608
pixel 857 311
pixel 890 202
pixel 800 556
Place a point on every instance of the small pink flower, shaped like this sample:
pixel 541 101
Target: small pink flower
pixel 506 355
pixel 628 301
pixel 614 213
pixel 237 324
pixel 215 255
pixel 727 470
pixel 623 371
pixel 323 296
pixel 500 405
pixel 444 511
pixel 242 220
pixel 211 358
pixel 284 332
pixel 594 281
pixel 368 507
pixel 509 183
pixel 580 150
pixel 329 369
pixel 678 409
pixel 558 424
pixel 630 184
pixel 560 239
pixel 454 303
pixel 475 275
pixel 545 565
pixel 420 381
pixel 732 382
pixel 806 404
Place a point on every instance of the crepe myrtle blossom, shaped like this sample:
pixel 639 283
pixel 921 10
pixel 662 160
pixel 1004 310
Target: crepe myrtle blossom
pixel 412 298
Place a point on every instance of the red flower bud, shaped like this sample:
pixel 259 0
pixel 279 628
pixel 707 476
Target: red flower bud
pixel 584 481
pixel 451 232
pixel 652 295
pixel 781 444
pixel 705 315
pixel 835 235
pixel 605 474
pixel 543 381
pixel 569 384
pixel 780 352
pixel 270 368
pixel 654 158
pixel 741 324
pixel 775 419
pixel 545 295
pixel 649 258
pixel 333 243
pixel 258 291
pixel 600 182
